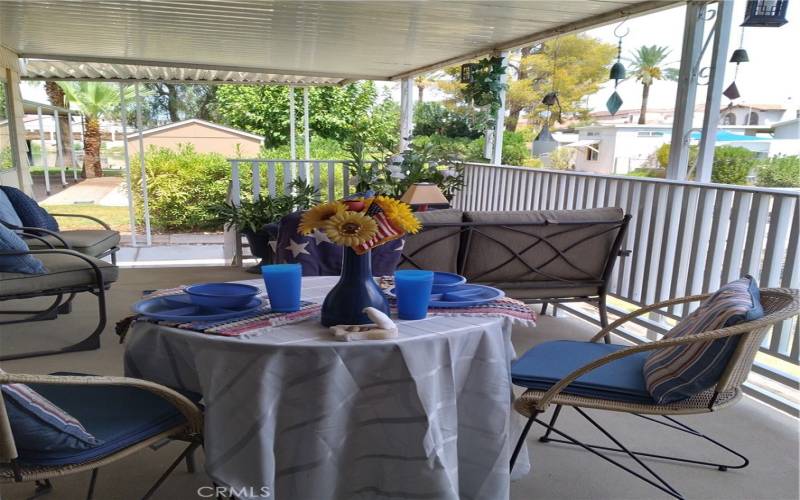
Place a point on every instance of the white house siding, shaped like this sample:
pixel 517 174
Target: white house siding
pixel 621 149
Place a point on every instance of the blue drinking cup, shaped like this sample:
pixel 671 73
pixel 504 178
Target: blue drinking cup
pixel 413 291
pixel 283 286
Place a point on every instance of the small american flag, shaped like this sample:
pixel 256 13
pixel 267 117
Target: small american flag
pixel 386 231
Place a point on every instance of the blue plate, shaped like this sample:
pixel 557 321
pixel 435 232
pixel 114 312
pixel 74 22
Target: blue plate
pixel 462 296
pixel 180 308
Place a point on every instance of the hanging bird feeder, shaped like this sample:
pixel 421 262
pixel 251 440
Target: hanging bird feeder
pixel 765 13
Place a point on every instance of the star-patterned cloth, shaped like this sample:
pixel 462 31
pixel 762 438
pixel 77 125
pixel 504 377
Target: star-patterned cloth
pixel 319 257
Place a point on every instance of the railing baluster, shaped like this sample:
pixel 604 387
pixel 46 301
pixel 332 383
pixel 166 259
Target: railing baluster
pixel 255 173
pixel 655 245
pixel 734 249
pixel 288 175
pixel 331 180
pixel 685 261
pixel 643 250
pixel 674 223
pixel 316 175
pixel 756 229
pixel 271 177
pixel 634 235
pixel 720 225
pixel 346 178
pixel 787 332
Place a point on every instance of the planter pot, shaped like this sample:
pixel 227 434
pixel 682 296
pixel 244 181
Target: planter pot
pixel 259 245
pixel 355 290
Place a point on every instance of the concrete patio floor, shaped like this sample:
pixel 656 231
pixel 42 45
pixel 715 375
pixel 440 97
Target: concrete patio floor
pixel 768 437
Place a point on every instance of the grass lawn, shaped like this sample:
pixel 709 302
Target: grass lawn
pixel 116 217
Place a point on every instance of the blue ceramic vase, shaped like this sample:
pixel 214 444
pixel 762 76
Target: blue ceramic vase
pixel 355 290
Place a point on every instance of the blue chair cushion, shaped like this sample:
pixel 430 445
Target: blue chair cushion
pixel 38 424
pixel 681 371
pixel 7 212
pixel 24 264
pixel 29 212
pixel 117 416
pixel 544 365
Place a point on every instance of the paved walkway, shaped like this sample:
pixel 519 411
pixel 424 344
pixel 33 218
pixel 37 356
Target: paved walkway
pixel 103 191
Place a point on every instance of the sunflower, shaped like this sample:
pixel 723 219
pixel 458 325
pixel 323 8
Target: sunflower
pixel 316 217
pixel 399 214
pixel 350 229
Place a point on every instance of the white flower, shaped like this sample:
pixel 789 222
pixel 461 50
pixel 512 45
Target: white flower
pixel 398 175
pixel 448 173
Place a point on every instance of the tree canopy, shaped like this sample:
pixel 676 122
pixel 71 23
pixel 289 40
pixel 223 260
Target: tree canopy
pixel 264 110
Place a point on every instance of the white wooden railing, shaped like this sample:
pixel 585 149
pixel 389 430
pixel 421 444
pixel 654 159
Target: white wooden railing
pixel 685 237
pixel 330 177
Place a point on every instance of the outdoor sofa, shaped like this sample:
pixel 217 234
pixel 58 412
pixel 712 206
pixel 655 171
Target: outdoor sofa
pixel 547 256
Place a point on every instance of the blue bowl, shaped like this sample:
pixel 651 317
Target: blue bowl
pixel 224 295
pixel 443 282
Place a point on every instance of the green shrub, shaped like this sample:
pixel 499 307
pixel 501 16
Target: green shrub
pixel 183 187
pixel 779 171
pixel 562 159
pixel 434 118
pixel 656 173
pixel 6 158
pixel 732 165
pixel 515 149
pixel 662 156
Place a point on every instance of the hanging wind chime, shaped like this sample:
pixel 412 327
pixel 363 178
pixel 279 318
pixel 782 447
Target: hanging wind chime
pixel 545 142
pixel 617 73
pixel 739 56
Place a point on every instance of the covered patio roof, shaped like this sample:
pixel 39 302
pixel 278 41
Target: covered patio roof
pixel 307 42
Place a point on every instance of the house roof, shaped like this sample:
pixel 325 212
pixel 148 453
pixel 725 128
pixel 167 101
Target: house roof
pixel 303 42
pixel 197 121
pixel 759 107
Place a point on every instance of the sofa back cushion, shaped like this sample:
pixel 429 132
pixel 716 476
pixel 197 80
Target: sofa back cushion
pixel 547 245
pixel 40 426
pixel 434 249
pixel 679 372
pixel 29 212
pixel 7 212
pixel 25 264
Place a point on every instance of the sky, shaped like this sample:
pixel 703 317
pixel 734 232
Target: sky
pixel 771 77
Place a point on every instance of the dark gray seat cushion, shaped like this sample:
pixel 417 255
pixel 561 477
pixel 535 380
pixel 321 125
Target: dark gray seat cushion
pixel 549 250
pixel 441 255
pixel 92 242
pixel 63 271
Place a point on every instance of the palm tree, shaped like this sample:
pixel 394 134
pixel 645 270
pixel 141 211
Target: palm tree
pixel 95 100
pixel 647 66
pixel 57 98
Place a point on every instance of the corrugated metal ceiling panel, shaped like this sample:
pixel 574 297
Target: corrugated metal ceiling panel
pixel 334 39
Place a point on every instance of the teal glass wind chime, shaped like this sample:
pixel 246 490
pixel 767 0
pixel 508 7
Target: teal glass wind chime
pixel 617 72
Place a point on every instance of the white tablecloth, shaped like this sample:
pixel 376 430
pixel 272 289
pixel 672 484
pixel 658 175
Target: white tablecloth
pixel 426 416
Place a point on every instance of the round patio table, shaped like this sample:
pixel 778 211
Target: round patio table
pixel 426 415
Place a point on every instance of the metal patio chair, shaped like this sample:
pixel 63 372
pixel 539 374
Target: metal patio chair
pixel 69 273
pixel 778 303
pixel 104 406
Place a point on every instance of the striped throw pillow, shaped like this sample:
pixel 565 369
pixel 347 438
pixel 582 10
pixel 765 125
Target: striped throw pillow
pixel 39 425
pixel 679 372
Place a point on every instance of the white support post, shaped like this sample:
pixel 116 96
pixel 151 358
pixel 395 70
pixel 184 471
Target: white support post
pixel 500 118
pixel 43 152
pixel 128 183
pixel 59 148
pixel 719 57
pixel 687 91
pixel 145 205
pixel 406 112
pixel 72 147
pixel 292 144
pixel 306 136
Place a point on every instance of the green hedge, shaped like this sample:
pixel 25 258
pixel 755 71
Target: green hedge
pixel 515 147
pixel 183 188
pixel 779 171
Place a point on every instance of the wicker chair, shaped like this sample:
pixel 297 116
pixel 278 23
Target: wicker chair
pixel 779 304
pixel 189 430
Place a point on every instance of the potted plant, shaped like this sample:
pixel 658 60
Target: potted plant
pixel 257 218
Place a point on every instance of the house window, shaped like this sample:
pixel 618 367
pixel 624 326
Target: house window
pixel 592 152
pixel 729 119
pixel 752 118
